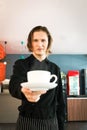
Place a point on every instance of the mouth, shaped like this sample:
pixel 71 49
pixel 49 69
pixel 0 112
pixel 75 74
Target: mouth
pixel 40 49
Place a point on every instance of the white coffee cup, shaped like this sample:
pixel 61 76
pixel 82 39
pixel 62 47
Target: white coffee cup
pixel 40 76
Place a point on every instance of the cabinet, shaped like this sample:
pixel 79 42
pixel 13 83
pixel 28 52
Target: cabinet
pixel 77 109
pixel 8 108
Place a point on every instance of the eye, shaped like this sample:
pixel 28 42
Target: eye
pixel 43 40
pixel 35 40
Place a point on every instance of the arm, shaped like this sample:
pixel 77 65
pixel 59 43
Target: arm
pixel 19 76
pixel 60 105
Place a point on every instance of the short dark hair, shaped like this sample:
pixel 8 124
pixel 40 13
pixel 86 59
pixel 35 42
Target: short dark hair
pixel 36 29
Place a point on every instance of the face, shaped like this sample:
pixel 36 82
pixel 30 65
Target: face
pixel 39 43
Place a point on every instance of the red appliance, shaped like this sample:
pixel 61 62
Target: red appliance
pixel 2 71
pixel 73 86
pixel 2 52
pixel 2 67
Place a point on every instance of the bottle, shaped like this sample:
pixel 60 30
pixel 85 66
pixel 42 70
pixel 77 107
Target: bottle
pixel 1 88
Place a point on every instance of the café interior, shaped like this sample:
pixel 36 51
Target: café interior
pixel 67 23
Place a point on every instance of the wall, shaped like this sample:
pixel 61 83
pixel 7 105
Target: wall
pixel 66 20
pixel 65 62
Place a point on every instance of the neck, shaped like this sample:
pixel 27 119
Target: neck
pixel 40 57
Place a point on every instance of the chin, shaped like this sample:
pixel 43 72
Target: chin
pixel 41 53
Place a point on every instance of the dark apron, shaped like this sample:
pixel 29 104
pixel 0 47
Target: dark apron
pixel 25 123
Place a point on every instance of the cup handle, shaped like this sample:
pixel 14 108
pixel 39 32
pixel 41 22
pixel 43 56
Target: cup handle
pixel 55 78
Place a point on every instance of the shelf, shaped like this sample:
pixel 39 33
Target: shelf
pixel 77 108
pixel 77 97
pixel 5 91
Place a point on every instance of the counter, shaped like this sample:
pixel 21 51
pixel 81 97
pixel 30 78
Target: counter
pixel 77 108
pixel 8 108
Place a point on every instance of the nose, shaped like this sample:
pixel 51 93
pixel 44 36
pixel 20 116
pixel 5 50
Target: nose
pixel 40 44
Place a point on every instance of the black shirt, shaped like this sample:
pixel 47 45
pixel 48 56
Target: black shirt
pixel 50 104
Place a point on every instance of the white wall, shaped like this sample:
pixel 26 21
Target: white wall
pixel 66 20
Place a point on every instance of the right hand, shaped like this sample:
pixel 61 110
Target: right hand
pixel 32 96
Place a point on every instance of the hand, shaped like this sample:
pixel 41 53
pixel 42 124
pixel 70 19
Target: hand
pixel 32 96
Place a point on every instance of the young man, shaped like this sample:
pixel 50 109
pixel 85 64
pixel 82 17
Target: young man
pixel 39 110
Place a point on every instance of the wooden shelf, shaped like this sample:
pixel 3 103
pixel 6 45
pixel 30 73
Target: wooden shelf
pixel 77 108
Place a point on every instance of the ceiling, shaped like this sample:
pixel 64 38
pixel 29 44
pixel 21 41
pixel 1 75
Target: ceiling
pixel 65 19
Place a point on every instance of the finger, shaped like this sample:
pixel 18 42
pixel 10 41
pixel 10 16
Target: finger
pixel 33 99
pixel 26 90
pixel 38 92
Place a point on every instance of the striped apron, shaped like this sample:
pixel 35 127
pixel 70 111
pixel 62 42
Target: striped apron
pixel 25 123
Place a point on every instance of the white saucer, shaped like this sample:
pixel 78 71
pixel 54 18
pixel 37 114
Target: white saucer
pixel 38 86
